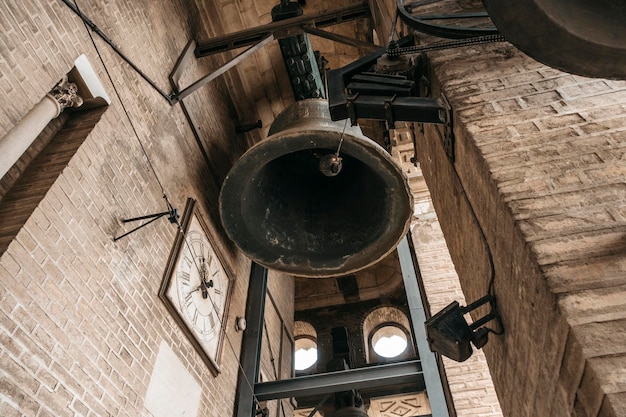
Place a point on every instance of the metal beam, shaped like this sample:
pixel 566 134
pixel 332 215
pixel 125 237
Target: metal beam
pixel 396 109
pixel 221 70
pixel 251 342
pixel 340 38
pixel 340 77
pixel 432 378
pixel 361 378
pixel 281 29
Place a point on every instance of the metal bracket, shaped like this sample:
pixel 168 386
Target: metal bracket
pixel 492 315
pixel 447 139
pixel 186 55
pixel 356 92
pixel 391 123
pixel 172 217
pixel 350 107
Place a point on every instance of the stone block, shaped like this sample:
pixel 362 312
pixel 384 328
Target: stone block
pixel 614 405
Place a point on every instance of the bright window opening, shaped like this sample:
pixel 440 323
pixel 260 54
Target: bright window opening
pixel 306 353
pixel 389 341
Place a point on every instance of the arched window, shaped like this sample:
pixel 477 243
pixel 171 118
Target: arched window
pixel 389 340
pixel 305 346
pixel 306 353
pixel 387 335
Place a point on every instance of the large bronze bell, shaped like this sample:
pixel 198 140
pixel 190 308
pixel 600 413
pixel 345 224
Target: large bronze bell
pixel 585 37
pixel 316 198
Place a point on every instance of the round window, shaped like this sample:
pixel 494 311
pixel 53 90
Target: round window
pixel 389 341
pixel 306 353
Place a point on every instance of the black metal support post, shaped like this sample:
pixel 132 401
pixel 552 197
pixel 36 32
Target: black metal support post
pixel 251 343
pixel 432 377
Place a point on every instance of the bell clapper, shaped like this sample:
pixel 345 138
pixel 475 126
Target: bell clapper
pixel 330 165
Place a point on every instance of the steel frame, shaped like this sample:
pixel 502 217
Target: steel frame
pixel 257 38
pixel 425 373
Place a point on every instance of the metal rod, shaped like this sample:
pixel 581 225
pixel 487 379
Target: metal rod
pixel 482 320
pixel 340 38
pixel 487 298
pixel 147 216
pixel 453 16
pixel 318 405
pixel 158 216
pixel 221 70
pixel 370 377
pixel 106 39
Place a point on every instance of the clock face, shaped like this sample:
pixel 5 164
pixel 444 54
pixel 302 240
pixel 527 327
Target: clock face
pixel 196 287
pixel 200 286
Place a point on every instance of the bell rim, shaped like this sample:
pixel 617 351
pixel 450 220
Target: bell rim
pixel 550 42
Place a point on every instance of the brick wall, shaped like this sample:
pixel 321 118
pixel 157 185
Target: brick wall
pixel 540 172
pixel 81 323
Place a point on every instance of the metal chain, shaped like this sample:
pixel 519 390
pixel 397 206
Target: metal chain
pixel 438 46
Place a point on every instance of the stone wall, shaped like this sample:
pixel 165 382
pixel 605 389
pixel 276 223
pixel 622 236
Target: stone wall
pixel 537 186
pixel 81 323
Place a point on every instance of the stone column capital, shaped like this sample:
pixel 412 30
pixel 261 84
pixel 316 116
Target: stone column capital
pixel 65 94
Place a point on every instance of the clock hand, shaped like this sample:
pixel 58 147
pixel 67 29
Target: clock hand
pixel 196 289
pixel 203 284
pixel 206 286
